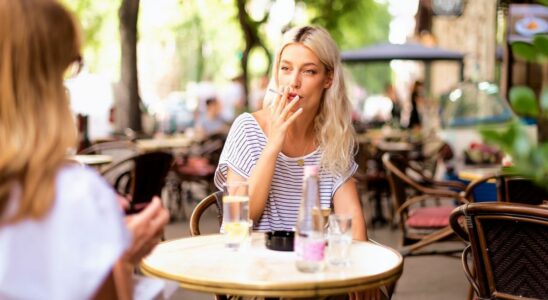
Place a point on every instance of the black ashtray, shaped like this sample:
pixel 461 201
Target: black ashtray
pixel 280 240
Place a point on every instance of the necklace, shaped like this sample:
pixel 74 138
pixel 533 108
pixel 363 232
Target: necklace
pixel 300 161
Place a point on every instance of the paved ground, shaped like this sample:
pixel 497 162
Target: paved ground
pixel 424 277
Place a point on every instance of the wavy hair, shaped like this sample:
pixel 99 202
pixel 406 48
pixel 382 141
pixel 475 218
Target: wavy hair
pixel 39 39
pixel 333 123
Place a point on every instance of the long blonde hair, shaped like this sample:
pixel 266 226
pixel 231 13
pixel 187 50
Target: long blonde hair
pixel 333 123
pixel 39 39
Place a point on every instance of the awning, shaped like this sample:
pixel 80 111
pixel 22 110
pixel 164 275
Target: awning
pixel 386 52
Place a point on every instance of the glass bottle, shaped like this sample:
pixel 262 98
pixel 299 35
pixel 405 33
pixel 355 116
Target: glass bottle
pixel 309 239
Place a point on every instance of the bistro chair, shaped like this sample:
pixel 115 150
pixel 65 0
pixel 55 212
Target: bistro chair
pixel 214 199
pixel 507 244
pixel 117 150
pixel 140 177
pixel 371 179
pixel 421 224
pixel 196 168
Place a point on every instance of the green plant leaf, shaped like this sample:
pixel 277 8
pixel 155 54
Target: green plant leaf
pixel 544 100
pixel 523 101
pixel 525 51
pixel 543 2
pixel 541 44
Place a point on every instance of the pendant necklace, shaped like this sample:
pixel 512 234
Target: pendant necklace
pixel 300 161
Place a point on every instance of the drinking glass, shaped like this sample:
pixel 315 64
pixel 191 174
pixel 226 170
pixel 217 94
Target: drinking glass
pixel 235 213
pixel 339 237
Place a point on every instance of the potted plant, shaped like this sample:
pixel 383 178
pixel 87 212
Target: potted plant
pixel 529 157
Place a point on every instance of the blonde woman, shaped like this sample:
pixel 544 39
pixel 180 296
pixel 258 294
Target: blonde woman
pixel 62 231
pixel 308 124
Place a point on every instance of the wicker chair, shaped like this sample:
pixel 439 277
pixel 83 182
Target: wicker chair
pixel 508 243
pixel 424 225
pixel 207 202
pixel 194 168
pixel 371 180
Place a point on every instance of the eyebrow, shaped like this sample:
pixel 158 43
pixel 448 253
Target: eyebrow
pixel 306 64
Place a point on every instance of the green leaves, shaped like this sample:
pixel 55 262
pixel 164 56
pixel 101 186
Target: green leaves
pixel 544 101
pixel 523 101
pixel 541 44
pixel 537 51
pixel 543 2
pixel 525 51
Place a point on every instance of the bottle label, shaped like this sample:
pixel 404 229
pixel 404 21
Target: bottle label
pixel 310 250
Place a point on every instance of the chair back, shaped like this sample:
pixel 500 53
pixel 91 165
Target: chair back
pixel 509 246
pixel 395 172
pixel 521 190
pixel 203 205
pixel 144 179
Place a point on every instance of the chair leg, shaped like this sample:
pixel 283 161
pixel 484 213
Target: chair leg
pixel 429 239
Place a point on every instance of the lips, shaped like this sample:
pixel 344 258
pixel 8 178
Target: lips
pixel 292 96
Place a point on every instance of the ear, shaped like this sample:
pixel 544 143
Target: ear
pixel 329 80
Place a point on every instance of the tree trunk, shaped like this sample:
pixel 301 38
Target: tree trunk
pixel 249 43
pixel 128 111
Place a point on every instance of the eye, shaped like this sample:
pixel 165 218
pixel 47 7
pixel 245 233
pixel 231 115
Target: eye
pixel 284 68
pixel 310 72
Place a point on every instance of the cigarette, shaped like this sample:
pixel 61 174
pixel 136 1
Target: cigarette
pixel 274 91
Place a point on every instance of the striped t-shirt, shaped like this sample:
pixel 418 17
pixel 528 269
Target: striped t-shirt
pixel 244 145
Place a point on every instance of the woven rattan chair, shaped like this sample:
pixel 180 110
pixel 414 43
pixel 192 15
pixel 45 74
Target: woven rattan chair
pixel 207 202
pixel 508 245
pixel 420 225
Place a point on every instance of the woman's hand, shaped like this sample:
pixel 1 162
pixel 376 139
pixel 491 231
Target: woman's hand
pixel 281 117
pixel 147 228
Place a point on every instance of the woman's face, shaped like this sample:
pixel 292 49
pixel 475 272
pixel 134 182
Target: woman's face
pixel 301 70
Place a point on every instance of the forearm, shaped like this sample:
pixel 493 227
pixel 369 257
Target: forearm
pixel 346 202
pixel 260 182
pixel 123 279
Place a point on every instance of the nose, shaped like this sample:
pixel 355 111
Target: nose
pixel 295 79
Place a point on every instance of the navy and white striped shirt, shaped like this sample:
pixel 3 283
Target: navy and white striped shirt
pixel 244 145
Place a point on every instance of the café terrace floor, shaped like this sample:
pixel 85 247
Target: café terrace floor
pixel 424 277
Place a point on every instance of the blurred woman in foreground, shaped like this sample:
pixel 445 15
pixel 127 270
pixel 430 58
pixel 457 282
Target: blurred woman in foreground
pixel 62 232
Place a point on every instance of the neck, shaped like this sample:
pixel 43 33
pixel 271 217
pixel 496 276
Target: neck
pixel 303 127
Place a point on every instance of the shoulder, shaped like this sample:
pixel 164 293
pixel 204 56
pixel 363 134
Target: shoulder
pixel 261 117
pixel 81 186
pixel 246 123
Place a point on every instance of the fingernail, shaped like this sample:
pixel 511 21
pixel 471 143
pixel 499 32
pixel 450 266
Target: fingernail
pixel 297 98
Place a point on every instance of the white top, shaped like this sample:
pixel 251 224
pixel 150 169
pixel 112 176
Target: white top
pixel 244 145
pixel 68 253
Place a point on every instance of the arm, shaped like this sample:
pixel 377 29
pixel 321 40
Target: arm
pixel 346 201
pixel 146 228
pixel 259 182
pixel 280 118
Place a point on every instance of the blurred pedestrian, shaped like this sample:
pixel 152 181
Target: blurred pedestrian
pixel 417 99
pixel 211 122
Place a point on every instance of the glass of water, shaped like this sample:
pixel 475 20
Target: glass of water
pixel 339 237
pixel 235 213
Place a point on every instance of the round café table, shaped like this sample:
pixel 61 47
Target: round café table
pixel 204 264
pixel 164 143
pixel 94 160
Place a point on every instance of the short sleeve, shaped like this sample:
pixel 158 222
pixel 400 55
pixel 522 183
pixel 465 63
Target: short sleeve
pixel 241 150
pixel 341 179
pixel 68 253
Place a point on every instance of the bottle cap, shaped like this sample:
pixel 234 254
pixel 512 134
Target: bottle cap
pixel 311 170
